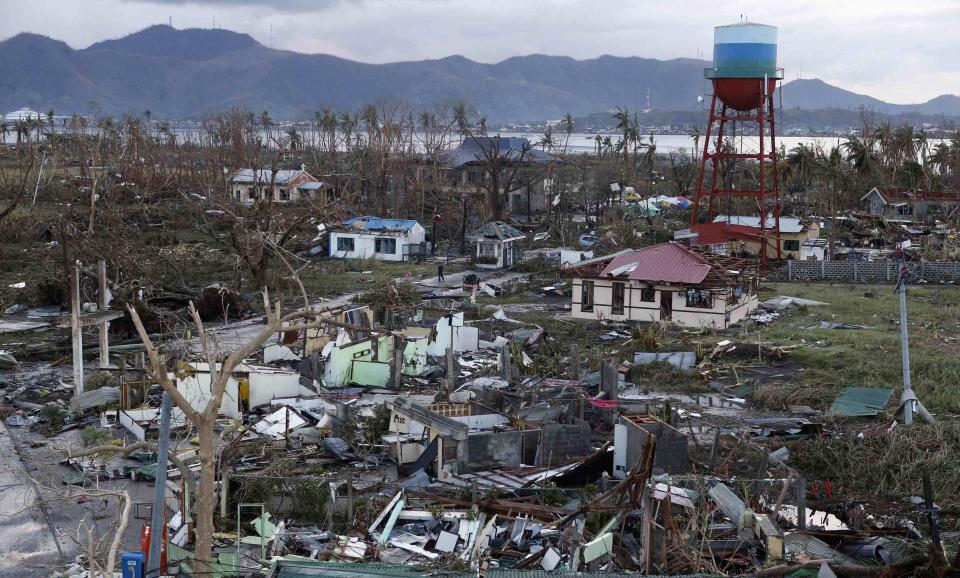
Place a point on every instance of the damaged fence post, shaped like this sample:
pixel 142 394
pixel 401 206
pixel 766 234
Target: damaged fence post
pixel 397 363
pixel 715 448
pixel 103 301
pixel 802 503
pixel 451 380
pixel 224 493
pixel 76 329
pixel 575 360
pixel 506 367
pixel 610 380
pixel 789 269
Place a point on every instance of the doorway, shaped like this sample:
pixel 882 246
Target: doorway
pixel 666 305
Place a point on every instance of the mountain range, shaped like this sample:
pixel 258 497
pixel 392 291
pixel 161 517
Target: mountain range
pixel 192 73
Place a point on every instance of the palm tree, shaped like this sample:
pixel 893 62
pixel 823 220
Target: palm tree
pixel 622 116
pixel 567 130
pixel 294 138
pixel 546 141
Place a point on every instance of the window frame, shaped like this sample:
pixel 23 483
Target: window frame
pixel 652 294
pixel 380 241
pixel 344 241
pixel 791 245
pixel 587 290
pixel 699 298
pixel 619 298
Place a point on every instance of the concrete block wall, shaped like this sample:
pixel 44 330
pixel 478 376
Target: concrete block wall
pixel 870 272
pixel 560 441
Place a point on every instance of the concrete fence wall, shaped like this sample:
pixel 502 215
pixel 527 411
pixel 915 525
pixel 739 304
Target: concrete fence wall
pixel 937 272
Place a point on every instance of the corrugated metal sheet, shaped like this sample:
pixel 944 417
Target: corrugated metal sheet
pixel 860 401
pixel 666 262
pixel 817 549
pixel 378 224
pixel 679 359
pixel 731 505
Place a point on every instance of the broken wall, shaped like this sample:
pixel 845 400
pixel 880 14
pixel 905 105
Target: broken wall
pixel 560 441
pixel 503 448
pixel 670 455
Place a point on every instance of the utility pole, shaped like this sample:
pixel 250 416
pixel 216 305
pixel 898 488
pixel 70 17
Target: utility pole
pixel 157 529
pixel 76 329
pixel 103 301
pixel 908 401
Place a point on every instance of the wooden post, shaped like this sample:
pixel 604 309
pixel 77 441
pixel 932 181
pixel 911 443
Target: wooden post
pixel 451 374
pixel 506 368
pixel 801 503
pixel 224 493
pixel 76 329
pixel 575 360
pixel 102 303
pixel 715 448
pixel 349 499
pixel 397 363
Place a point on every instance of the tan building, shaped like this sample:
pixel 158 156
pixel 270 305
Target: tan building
pixel 741 235
pixel 666 282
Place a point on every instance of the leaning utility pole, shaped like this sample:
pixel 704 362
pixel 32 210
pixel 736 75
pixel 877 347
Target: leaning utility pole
pixel 908 401
pixel 158 528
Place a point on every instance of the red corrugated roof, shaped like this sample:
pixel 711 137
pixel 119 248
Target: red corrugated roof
pixel 666 263
pixel 723 232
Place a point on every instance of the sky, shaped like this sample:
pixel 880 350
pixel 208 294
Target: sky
pixel 902 52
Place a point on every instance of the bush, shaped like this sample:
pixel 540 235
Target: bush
pixel 99 380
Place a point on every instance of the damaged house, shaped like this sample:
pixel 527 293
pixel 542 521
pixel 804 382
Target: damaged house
pixel 498 245
pixel 376 238
pixel 666 282
pixel 903 204
pixel 742 235
pixel 249 186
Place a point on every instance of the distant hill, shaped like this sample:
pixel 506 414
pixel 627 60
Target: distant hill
pixel 191 73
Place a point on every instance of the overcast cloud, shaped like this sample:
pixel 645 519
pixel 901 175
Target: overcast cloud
pixel 902 52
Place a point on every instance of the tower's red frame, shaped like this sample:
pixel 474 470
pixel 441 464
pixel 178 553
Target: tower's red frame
pixel 743 100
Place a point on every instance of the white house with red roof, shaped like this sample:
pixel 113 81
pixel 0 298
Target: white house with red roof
pixel 666 282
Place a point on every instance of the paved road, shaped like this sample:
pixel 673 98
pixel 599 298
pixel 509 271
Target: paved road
pixel 27 544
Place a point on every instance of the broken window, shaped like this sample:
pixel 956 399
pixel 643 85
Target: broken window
pixel 284 194
pixel 388 246
pixel 586 296
pixel 345 244
pixel 700 298
pixel 648 294
pixel 252 193
pixel 791 245
pixel 618 294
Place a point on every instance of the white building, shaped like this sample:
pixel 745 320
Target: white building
pixel 497 245
pixel 373 237
pixel 666 282
pixel 248 186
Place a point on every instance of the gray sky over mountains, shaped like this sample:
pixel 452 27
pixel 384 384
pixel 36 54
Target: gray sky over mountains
pixel 903 52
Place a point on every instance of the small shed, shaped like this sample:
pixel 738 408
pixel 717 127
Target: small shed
pixel 497 245
pixel 813 250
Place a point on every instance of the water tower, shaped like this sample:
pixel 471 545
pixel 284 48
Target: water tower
pixel 742 128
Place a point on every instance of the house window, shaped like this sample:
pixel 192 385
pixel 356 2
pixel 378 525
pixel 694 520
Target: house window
pixel 618 294
pixel 239 194
pixel 791 245
pixel 648 294
pixel 252 193
pixel 387 246
pixel 345 244
pixel 700 298
pixel 586 296
pixel 284 194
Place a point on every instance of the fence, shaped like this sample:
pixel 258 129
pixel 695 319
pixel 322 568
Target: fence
pixel 936 272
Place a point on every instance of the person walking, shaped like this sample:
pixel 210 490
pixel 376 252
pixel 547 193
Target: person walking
pixel 440 273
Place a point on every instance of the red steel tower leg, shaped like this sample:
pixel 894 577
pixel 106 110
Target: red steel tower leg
pixel 703 160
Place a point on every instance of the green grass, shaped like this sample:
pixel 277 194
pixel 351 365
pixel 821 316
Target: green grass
pixel 835 358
